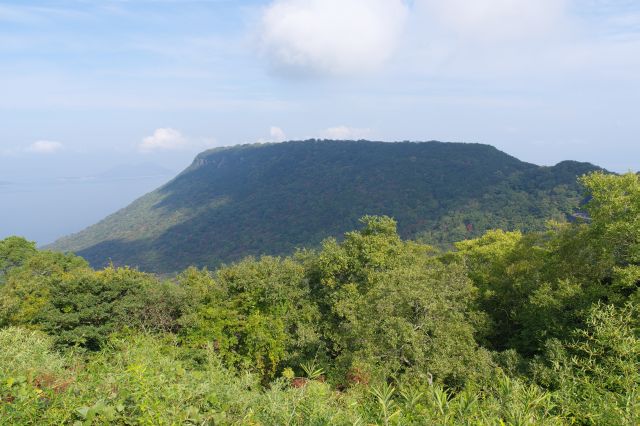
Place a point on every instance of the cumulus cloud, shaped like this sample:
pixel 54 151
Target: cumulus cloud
pixel 346 133
pixel 276 134
pixel 331 37
pixel 44 147
pixel 352 37
pixel 163 139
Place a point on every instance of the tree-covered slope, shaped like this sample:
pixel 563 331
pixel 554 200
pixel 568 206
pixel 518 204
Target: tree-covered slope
pixel 272 198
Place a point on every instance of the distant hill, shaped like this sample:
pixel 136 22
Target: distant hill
pixel 271 198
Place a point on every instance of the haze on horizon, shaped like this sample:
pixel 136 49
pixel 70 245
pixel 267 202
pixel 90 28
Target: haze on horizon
pixel 89 85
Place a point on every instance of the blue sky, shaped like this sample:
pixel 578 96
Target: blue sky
pixel 85 83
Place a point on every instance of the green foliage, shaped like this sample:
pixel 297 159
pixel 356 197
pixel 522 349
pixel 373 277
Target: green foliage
pixel 257 313
pixel 540 286
pixel 14 251
pixel 597 371
pixel 311 370
pixel 85 306
pixel 27 285
pixel 229 203
pixel 510 328
pixel 30 375
pixel 141 379
pixel 614 231
pixel 62 296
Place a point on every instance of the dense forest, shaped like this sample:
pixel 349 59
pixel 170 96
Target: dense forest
pixel 509 328
pixel 274 198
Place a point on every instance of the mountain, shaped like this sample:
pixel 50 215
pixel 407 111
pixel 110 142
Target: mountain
pixel 271 198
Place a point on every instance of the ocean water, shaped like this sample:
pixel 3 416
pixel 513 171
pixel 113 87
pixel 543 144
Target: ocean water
pixel 44 210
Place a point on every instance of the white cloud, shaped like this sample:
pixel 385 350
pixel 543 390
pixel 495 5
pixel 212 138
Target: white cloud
pixel 497 42
pixel 168 139
pixel 351 37
pixel 346 133
pixel 493 20
pixel 163 139
pixel 276 134
pixel 331 37
pixel 44 147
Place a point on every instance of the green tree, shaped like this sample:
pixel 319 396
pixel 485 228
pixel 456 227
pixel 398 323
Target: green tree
pixel 257 313
pixel 13 252
pixel 27 286
pixel 596 370
pixel 614 209
pixel 84 306
pixel 390 307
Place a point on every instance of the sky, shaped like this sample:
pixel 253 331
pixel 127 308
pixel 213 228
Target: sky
pixel 87 85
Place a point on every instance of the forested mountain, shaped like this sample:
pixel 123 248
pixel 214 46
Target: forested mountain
pixel 271 198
